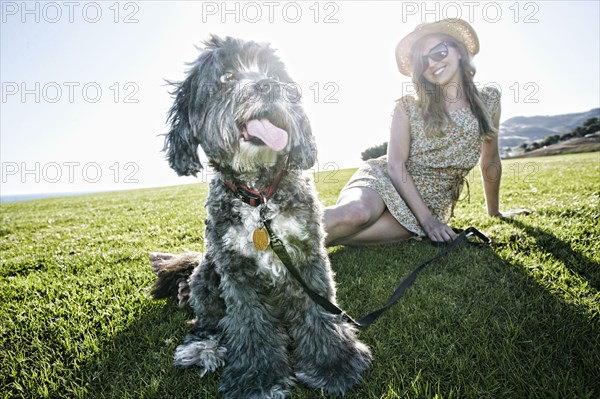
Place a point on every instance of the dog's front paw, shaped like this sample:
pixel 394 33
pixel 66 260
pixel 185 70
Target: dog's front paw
pixel 276 392
pixel 253 381
pixel 339 372
pixel 207 354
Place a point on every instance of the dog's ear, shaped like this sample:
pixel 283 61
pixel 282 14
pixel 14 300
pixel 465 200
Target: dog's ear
pixel 180 144
pixel 303 153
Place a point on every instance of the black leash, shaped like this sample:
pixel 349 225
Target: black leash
pixel 279 248
pixel 463 236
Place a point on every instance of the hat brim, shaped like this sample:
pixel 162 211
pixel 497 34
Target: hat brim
pixel 456 28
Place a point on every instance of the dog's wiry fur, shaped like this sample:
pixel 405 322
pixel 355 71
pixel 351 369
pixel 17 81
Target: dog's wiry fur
pixel 252 316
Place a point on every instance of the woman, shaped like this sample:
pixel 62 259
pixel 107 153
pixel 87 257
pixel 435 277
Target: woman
pixel 435 140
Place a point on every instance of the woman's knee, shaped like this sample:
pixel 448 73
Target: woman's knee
pixel 357 208
pixel 359 213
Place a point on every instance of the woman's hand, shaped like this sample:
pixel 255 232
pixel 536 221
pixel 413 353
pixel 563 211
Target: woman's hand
pixel 438 231
pixel 514 212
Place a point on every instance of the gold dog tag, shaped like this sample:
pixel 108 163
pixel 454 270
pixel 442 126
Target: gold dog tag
pixel 260 238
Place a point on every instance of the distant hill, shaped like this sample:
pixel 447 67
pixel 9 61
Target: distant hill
pixel 589 143
pixel 525 129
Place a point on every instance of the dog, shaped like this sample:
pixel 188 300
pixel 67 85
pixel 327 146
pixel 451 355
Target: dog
pixel 252 317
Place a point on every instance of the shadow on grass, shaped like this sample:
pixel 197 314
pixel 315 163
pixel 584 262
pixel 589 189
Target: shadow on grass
pixel 472 326
pixel 580 264
pixel 137 363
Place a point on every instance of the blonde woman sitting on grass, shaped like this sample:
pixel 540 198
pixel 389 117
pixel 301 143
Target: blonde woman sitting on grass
pixel 435 140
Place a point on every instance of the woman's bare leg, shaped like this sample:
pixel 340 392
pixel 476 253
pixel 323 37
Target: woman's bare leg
pixel 385 230
pixel 360 217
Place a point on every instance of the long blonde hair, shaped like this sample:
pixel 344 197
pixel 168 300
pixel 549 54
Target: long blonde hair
pixel 431 98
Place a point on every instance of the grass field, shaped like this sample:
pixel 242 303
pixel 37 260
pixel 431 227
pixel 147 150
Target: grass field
pixel 517 320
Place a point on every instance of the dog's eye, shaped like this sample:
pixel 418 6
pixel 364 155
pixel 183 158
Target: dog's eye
pixel 227 77
pixel 273 76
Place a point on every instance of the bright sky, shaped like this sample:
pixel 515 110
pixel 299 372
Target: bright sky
pixel 83 96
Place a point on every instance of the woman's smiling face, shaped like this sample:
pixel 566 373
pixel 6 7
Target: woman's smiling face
pixel 441 61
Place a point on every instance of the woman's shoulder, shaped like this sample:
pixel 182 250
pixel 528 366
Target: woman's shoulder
pixel 491 92
pixel 491 97
pixel 406 103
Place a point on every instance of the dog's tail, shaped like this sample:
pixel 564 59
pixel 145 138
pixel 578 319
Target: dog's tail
pixel 171 271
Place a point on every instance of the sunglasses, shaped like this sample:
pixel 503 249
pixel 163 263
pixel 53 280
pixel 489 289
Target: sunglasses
pixel 438 53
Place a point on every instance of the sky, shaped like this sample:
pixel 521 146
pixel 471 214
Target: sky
pixel 84 99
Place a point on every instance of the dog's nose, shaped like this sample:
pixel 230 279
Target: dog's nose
pixel 268 89
pixel 266 86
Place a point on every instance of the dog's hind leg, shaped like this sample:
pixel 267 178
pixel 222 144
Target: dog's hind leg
pixel 173 272
pixel 257 364
pixel 202 346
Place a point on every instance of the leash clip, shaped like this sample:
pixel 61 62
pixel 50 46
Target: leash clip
pixel 472 231
pixel 264 207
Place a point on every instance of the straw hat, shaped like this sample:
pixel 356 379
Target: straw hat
pixel 457 28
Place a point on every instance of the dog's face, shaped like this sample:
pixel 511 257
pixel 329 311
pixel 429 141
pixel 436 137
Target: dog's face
pixel 240 105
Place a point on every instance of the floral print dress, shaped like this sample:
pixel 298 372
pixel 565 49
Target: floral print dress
pixel 438 165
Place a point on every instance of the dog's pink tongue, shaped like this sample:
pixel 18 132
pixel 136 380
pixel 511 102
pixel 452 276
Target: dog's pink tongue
pixel 270 134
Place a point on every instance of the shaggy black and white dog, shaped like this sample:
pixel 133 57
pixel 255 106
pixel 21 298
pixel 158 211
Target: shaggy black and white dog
pixel 239 104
